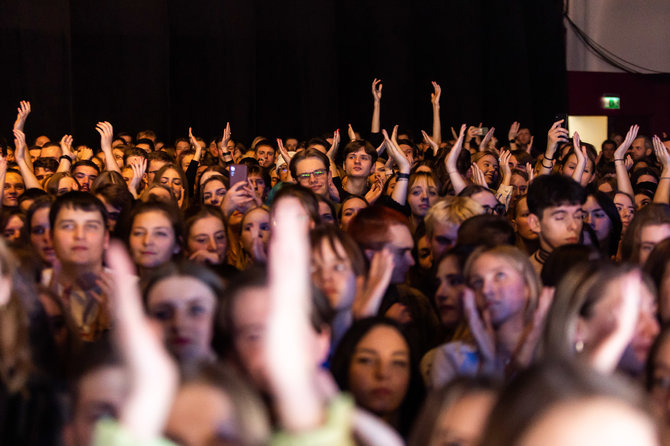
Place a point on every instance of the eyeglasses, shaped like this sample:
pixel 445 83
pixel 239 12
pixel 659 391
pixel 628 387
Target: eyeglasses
pixel 307 175
pixel 498 209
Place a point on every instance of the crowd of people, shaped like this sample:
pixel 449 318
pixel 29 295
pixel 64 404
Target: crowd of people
pixel 377 289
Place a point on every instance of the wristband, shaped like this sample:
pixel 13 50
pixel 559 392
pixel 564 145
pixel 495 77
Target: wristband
pixel 66 157
pixel 618 159
pixel 403 176
pixel 549 159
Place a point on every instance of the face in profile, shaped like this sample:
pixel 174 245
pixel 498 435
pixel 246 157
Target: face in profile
pixel 379 371
pixel 185 307
pixel 449 294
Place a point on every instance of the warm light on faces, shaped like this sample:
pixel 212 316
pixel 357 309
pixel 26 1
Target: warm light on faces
pixel 358 164
pixel 570 166
pixel 559 225
pixel 213 193
pixel 172 180
pixel 313 174
pixel 255 229
pixel 184 307
pixel 521 221
pixel 152 240
pixel 350 208
pixel 79 237
pixel 444 237
pixel 463 423
pixel 379 371
pixel 422 195
pixel 12 231
pixel 14 188
pixel 208 234
pixel 489 167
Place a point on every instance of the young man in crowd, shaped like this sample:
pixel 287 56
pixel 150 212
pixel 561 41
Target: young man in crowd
pixel 359 163
pixel 80 237
pixel 555 205
pixel 310 168
pixel 265 153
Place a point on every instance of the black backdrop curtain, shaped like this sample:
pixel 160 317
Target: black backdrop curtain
pixel 278 68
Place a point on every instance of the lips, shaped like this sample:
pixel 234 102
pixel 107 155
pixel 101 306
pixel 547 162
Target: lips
pixel 381 392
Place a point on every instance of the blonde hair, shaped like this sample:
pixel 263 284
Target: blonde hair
pixel 454 210
pixel 519 261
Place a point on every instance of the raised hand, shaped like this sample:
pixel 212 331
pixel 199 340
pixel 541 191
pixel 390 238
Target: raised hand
pixel 369 297
pixel 661 153
pixel 478 176
pixel 332 152
pixel 153 375
pixel 22 114
pixel 530 171
pixel 205 257
pixel 435 95
pixel 620 151
pixel 513 130
pixel 480 327
pixel 505 170
pixel 484 145
pixel 19 146
pixel 351 133
pixel 377 89
pixel 452 157
pixel 139 167
pixel 283 152
pixel 66 146
pixel 84 153
pixel 240 197
pixel 375 191
pixel 395 152
pixel 556 135
pixel 433 145
pixel 106 134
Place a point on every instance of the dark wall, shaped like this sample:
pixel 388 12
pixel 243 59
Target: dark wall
pixel 644 99
pixel 278 68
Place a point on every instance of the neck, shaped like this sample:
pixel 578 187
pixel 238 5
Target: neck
pixel 508 335
pixel 355 185
pixel 545 249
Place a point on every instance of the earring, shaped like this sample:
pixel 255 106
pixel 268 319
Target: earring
pixel 579 346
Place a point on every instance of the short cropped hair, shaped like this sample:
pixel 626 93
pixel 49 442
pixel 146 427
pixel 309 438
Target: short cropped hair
pixel 77 200
pixel 553 190
pixel 356 145
pixel 454 210
pixel 304 154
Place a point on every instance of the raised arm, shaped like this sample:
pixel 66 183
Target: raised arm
pixel 195 145
pixel 580 153
pixel 457 180
pixel 435 101
pixel 3 173
pixel 225 157
pixel 376 105
pixel 557 134
pixel 65 162
pixel 22 115
pixel 622 178
pixel 433 145
pixel 484 145
pixel 402 183
pixel 511 134
pixel 332 153
pixel 106 136
pixel 20 155
pixel 662 194
pixel 290 338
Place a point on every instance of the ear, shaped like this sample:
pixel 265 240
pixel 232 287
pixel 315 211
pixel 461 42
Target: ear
pixel 373 166
pixel 534 223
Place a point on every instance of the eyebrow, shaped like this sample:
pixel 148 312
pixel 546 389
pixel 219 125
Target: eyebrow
pixel 369 350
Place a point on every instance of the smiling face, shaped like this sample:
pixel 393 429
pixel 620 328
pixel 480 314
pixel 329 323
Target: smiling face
pixel 152 239
pixel 489 167
pixel 422 195
pixel 185 307
pixel 379 371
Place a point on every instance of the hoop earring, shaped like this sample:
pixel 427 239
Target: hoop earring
pixel 579 346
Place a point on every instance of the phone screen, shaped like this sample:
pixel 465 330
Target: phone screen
pixel 238 172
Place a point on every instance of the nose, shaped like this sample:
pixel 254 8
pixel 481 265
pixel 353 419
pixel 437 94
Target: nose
pixel 211 244
pixel 409 259
pixel 381 370
pixel 78 232
pixel 146 240
pixel 179 320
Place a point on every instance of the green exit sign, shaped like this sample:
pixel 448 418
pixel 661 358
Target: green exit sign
pixel 612 102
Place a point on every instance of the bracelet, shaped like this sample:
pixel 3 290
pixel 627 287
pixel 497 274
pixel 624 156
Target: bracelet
pixel 618 159
pixel 452 171
pixel 665 178
pixel 547 167
pixel 66 157
pixel 550 159
pixel 403 176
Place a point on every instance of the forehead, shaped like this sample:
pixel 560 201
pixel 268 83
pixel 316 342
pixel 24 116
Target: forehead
pixel 69 212
pixel 383 338
pixel 354 203
pixel 400 236
pixel 86 169
pixel 488 158
pixel 14 177
pixel 264 148
pixel 214 184
pixel 569 208
pixel 207 224
pixel 309 164
pixel 170 173
pixel 180 289
pixel 257 215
